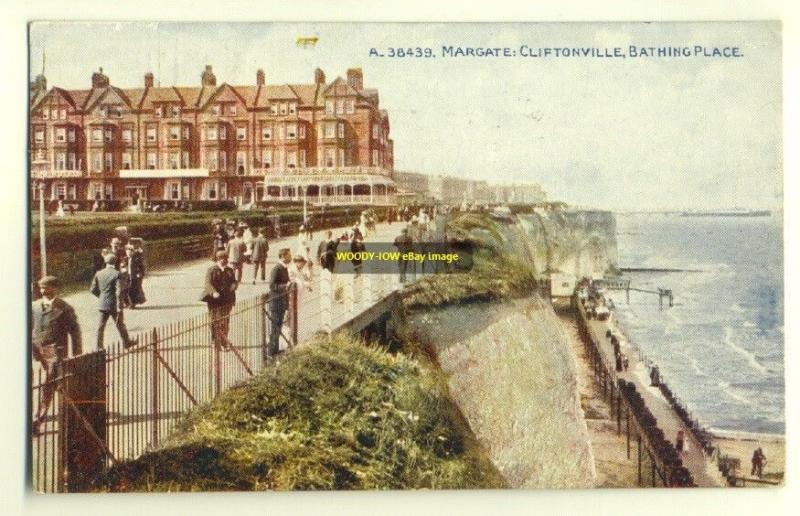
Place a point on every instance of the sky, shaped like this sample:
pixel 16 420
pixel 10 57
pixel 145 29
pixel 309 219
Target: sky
pixel 623 134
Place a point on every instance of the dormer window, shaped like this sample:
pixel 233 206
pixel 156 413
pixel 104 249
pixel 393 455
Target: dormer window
pixel 284 108
pixel 273 109
pixel 232 110
pixel 176 111
pixel 158 112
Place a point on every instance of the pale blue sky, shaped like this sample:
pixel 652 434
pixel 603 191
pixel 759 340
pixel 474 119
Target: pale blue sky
pixel 641 134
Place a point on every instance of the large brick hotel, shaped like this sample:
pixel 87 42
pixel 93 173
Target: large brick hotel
pixel 328 141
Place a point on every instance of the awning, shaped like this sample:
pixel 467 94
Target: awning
pixel 163 173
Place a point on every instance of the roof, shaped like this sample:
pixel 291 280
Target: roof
pixel 280 91
pixel 189 94
pixel 249 94
pixel 159 95
pixel 306 92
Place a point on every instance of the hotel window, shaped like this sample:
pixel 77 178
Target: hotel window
pixel 158 111
pixel 212 190
pixel 328 107
pixel 60 191
pixel 61 134
pixel 223 132
pixel 176 111
pixel 330 130
pixel 302 157
pixel 211 160
pixel 127 135
pixel 292 108
pixel 96 191
pixel 174 160
pixel 71 135
pixel 174 191
pixel 216 109
pixel 273 109
pixel 211 133
pixel 351 106
pixel 45 114
pixel 174 133
pixel 223 160
pixel 241 133
pixel 71 161
pixel 185 159
pixel 266 133
pixel 97 162
pixel 126 160
pixel 284 108
pixel 340 107
pixel 291 131
pixel 97 135
pixel 329 158
pixel 63 114
pixel 341 129
pixel 151 160
pixel 266 158
pixel 186 132
pixel 232 110
pixel 341 157
pixel 38 136
pixel 302 131
pixel 291 159
pixel 241 159
pixel 72 192
pixel 109 191
pixel 109 161
pixel 61 161
pixel 151 134
pixel 375 158
pixel 109 135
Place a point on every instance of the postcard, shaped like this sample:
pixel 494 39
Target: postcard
pixel 400 256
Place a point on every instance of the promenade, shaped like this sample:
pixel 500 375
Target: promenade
pixel 173 293
pixel 694 459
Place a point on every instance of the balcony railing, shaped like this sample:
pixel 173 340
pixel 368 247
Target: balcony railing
pixel 341 171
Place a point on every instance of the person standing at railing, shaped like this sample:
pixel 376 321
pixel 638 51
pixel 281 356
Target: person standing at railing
pixel 105 287
pixel 219 293
pixel 53 321
pixel 259 256
pixel 278 299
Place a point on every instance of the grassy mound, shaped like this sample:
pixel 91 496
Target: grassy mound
pixel 332 415
pixel 497 273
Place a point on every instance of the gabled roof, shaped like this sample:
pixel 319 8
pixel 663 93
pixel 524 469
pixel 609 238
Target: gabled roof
pixel 280 92
pixel 98 94
pixel 339 87
pixel 189 94
pixel 135 95
pixel 249 94
pixel 159 95
pixel 66 95
pixel 307 93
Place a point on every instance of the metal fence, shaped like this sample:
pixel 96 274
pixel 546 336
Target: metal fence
pixel 148 388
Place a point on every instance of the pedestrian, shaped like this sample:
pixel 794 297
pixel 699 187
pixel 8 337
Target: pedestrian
pixel 403 243
pixel 259 256
pixel 53 323
pixel 357 247
pixel 220 238
pixel 309 224
pixel 236 249
pixel 624 362
pixel 105 287
pixel 219 294
pixel 304 248
pixel 247 236
pixel 118 250
pixel 655 377
pixel 327 250
pixel 278 300
pixel 299 274
pixel 758 461
pixel 136 271
pixel 124 284
pixel 679 441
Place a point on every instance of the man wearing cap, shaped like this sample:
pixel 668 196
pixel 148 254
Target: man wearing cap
pixel 278 298
pixel 106 287
pixel 52 322
pixel 219 294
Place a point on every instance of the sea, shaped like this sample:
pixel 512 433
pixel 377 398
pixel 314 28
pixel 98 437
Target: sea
pixel 720 348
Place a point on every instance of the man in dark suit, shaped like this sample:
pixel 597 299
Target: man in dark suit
pixel 53 321
pixel 278 299
pixel 105 287
pixel 219 293
pixel 404 244
pixel 259 256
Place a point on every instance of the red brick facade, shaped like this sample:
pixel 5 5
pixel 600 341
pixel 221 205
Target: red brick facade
pixel 211 142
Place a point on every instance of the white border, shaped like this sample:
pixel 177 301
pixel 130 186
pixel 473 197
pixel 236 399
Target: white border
pixel 14 500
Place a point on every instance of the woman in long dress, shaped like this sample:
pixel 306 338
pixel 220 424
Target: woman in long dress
pixel 136 272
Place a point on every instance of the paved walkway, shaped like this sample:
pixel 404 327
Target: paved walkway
pixel 703 471
pixel 173 293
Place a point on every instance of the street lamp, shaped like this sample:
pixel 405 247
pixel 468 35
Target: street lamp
pixel 42 246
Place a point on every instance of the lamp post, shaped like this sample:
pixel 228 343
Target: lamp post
pixel 42 245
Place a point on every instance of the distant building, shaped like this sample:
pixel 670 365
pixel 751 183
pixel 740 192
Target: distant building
pixel 455 190
pixel 328 141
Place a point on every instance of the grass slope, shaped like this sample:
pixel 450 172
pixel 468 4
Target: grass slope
pixel 333 415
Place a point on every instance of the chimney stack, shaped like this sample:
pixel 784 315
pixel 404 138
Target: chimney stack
pixel 99 80
pixel 208 78
pixel 148 80
pixel 260 79
pixel 319 76
pixel 355 78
